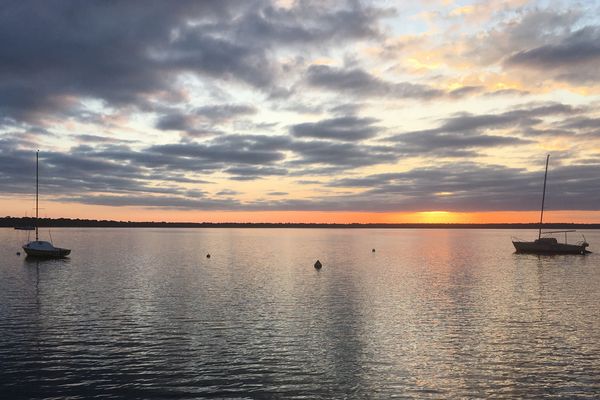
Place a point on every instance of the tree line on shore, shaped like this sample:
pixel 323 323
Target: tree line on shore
pixel 9 222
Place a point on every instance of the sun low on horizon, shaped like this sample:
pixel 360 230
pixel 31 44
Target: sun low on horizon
pixel 437 111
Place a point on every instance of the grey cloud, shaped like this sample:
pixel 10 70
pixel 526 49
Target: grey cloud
pixel 248 157
pixel 84 169
pixel 174 122
pixel 451 187
pixel 453 145
pixel 228 192
pixel 187 124
pixel 239 149
pixel 346 109
pixel 196 51
pixel 58 48
pixel 465 90
pixel 87 138
pixel 88 176
pixel 458 135
pixel 582 46
pixel 64 173
pixel 473 187
pixel 358 82
pixel 222 112
pixel 248 173
pixel 582 124
pixel 543 43
pixel 155 202
pixel 339 156
pixel 341 128
pixel 577 127
pixel 310 22
pixel 526 30
pixel 124 53
pixel 508 92
pixel 522 115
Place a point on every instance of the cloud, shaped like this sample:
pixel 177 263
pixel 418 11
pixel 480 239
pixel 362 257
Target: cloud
pixel 508 92
pixel 474 187
pixel 346 109
pixel 201 121
pixel 75 171
pixel 228 192
pixel 575 58
pixel 239 149
pixel 197 51
pixel 339 156
pixel 465 90
pixel 534 44
pixel 87 176
pixel 249 173
pixel 581 124
pixel 524 29
pixel 359 82
pixel 455 187
pixel 223 112
pixel 310 22
pixel 458 135
pixel 56 54
pixel 170 168
pixel 87 138
pixel 155 202
pixel 340 128
pixel 174 122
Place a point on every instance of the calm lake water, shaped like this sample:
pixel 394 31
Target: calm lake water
pixel 142 313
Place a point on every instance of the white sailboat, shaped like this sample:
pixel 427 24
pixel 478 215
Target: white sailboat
pixel 40 248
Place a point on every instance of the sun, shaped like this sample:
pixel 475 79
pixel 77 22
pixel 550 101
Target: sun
pixel 437 217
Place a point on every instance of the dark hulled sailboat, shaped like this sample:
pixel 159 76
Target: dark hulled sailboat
pixel 549 245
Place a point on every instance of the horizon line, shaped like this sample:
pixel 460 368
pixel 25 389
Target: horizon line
pixel 9 221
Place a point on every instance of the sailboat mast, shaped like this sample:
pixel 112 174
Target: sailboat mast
pixel 37 192
pixel 543 197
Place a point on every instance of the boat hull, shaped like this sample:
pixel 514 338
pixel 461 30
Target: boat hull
pixel 549 248
pixel 58 253
pixel 45 250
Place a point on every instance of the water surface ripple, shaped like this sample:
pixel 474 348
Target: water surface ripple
pixel 142 313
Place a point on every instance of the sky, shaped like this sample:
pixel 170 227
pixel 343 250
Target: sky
pixel 301 111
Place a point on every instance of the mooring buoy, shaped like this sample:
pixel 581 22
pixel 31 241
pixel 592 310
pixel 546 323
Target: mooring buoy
pixel 318 264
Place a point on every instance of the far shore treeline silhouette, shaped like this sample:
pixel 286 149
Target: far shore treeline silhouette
pixel 9 222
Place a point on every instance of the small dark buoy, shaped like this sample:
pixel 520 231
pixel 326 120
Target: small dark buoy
pixel 318 264
pixel 208 256
pixel 373 251
pixel 18 253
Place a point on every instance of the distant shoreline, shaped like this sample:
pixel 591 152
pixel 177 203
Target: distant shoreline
pixel 9 222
